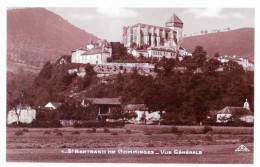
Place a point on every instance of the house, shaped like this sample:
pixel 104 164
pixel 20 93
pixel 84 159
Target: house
pixel 64 59
pixel 52 105
pixel 102 106
pixel 21 114
pixel 244 62
pixel 228 112
pixel 94 53
pixel 143 116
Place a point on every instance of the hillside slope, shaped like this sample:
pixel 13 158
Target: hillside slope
pixel 236 42
pixel 36 35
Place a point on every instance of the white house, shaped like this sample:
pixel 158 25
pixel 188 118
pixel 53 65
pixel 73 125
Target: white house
pixel 95 53
pixel 21 114
pixel 226 113
pixel 142 113
pixel 52 105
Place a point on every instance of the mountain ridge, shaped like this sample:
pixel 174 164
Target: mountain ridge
pixel 238 42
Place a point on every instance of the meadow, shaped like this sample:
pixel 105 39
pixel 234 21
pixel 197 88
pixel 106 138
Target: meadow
pixel 47 144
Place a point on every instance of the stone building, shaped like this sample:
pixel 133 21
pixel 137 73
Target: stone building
pixel 94 53
pixel 21 114
pixel 168 39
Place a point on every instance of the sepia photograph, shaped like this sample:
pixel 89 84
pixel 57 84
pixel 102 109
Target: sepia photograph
pixel 168 85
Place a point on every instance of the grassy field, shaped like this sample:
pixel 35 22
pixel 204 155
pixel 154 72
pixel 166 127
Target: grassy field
pixel 46 145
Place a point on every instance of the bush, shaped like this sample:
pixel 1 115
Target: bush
pixel 94 130
pixel 175 129
pixel 88 131
pixel 114 133
pixel 19 133
pixel 56 131
pixel 25 130
pixel 208 138
pixel 94 124
pixel 150 145
pixel 75 133
pixel 46 132
pixel 206 129
pixel 148 133
pixel 59 134
pixel 106 130
pixel 128 131
pixel 193 131
pixel 210 133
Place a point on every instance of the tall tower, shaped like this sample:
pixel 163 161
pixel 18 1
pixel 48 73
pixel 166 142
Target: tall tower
pixel 176 24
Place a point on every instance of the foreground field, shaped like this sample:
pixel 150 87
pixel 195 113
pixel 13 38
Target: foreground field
pixel 47 145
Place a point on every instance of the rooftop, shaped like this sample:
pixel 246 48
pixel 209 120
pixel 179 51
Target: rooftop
pixel 112 101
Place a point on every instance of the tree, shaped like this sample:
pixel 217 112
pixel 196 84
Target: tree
pixel 116 113
pixel 210 67
pixel 165 66
pixel 44 74
pixel 199 56
pixel 216 55
pixel 232 68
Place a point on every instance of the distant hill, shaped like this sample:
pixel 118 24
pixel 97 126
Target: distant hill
pixel 235 42
pixel 36 35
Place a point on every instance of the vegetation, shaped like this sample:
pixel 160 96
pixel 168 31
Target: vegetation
pixel 187 97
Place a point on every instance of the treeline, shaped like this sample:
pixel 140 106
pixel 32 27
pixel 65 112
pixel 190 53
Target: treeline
pixel 187 97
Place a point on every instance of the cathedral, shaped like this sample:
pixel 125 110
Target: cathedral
pixel 160 41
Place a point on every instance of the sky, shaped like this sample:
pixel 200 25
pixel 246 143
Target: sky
pixel 107 23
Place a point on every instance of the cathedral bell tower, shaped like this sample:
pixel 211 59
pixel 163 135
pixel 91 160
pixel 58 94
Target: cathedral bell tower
pixel 175 24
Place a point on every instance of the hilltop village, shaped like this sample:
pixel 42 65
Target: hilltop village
pixel 148 78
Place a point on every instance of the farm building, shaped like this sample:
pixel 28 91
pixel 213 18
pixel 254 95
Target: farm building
pixel 243 113
pixel 21 114
pixel 143 116
pixel 103 105
pixel 52 105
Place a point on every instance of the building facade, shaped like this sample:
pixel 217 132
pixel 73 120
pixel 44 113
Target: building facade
pixel 244 62
pixel 94 53
pixel 21 114
pixel 168 38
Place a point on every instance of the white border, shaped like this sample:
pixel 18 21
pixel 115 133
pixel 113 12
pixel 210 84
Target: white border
pixel 122 3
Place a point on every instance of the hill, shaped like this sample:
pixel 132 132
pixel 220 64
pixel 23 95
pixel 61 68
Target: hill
pixel 36 35
pixel 236 42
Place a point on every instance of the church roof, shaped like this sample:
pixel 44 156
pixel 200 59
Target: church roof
pixel 233 110
pixel 175 19
pixel 153 26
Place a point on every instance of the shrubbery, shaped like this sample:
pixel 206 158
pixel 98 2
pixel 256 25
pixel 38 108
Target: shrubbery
pixel 207 129
pixel 93 124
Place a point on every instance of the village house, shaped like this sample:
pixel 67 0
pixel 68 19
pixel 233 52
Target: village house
pixel 102 106
pixel 52 105
pixel 244 62
pixel 94 53
pixel 21 114
pixel 143 116
pixel 226 113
